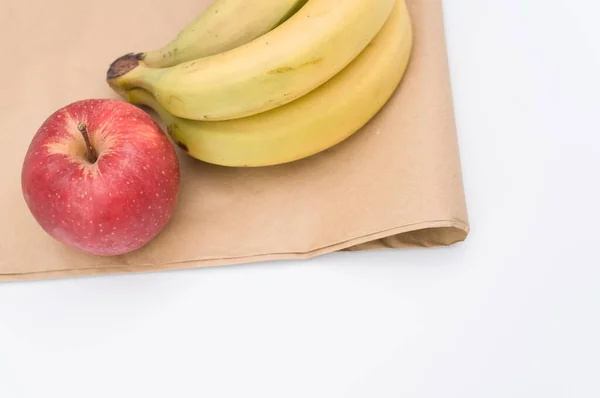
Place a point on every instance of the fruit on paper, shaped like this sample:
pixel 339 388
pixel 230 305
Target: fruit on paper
pixel 101 176
pixel 296 57
pixel 245 84
pixel 315 122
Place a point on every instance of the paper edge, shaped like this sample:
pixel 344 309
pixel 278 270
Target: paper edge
pixel 220 262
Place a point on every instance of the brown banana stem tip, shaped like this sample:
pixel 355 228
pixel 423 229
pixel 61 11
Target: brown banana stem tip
pixel 123 65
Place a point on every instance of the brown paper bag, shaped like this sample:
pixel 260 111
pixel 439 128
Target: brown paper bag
pixel 396 183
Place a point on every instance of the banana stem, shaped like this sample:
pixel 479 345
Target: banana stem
pixel 123 65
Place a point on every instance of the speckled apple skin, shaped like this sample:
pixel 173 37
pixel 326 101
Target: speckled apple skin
pixel 112 206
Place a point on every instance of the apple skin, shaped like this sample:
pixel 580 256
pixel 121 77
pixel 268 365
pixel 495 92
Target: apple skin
pixel 114 205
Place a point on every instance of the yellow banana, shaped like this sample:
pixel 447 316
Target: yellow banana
pixel 299 55
pixel 224 25
pixel 311 124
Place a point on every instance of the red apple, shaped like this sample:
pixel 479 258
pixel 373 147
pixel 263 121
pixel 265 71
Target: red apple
pixel 101 176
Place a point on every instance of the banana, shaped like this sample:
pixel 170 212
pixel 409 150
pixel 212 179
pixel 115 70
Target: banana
pixel 222 26
pixel 309 125
pixel 286 63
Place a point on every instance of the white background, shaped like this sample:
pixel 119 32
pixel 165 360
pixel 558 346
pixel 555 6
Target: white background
pixel 511 312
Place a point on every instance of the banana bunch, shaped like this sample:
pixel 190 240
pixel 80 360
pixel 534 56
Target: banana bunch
pixel 281 80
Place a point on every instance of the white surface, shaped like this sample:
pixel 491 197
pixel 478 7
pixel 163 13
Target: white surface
pixel 512 312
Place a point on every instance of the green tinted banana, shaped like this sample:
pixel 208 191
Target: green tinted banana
pixel 311 124
pixel 299 55
pixel 224 25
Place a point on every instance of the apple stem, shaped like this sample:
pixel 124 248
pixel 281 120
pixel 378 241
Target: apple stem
pixel 92 155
